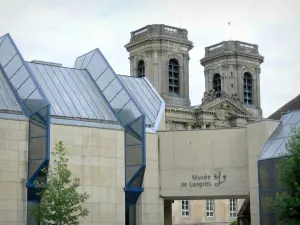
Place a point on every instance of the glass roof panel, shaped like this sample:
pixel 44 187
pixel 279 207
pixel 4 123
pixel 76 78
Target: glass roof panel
pixel 104 76
pixel 20 78
pixel 7 99
pixel 93 90
pixel 71 92
pixel 286 117
pixel 141 98
pixel 282 150
pixel 146 85
pixel 79 62
pixel 295 118
pixel 273 147
pixel 57 104
pixel 280 136
pixel 87 59
pixel 7 52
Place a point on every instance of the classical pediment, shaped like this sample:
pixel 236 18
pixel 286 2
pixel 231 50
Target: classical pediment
pixel 224 106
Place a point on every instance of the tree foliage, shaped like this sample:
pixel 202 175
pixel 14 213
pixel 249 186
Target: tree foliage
pixel 60 204
pixel 287 203
pixel 234 223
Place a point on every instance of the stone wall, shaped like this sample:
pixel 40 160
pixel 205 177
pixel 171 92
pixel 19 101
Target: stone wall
pixel 96 156
pixel 13 172
pixel 150 209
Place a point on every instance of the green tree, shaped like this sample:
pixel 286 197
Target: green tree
pixel 234 223
pixel 287 204
pixel 60 204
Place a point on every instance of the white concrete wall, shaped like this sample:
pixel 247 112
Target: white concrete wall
pixel 257 135
pixel 150 209
pixel 13 172
pixel 184 154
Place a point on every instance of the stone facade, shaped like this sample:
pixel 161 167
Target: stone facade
pixel 156 45
pixel 231 60
pixel 96 156
pixel 13 172
pixel 198 212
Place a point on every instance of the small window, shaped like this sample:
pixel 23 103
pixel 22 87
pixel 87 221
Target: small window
pixel 185 208
pixel 209 208
pixel 141 69
pixel 217 85
pixel 248 89
pixel 232 208
pixel 173 77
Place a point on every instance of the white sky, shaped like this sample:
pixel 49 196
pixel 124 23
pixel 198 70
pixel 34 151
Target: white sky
pixel 61 30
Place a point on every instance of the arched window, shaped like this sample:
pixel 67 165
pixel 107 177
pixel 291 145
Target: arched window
pixel 141 69
pixel 217 85
pixel 173 77
pixel 248 89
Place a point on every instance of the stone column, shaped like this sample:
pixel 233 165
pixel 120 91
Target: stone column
pixel 167 212
pixel 258 87
pixel 132 72
pixel 186 75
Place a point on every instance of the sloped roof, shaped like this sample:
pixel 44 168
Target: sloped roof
pixel 144 95
pixel 8 101
pixel 276 145
pixel 294 104
pixel 71 92
pixel 90 91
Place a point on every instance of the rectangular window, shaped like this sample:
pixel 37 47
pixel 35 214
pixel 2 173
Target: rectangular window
pixel 232 208
pixel 210 208
pixel 185 208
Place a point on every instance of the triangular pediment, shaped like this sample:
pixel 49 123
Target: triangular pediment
pixel 225 104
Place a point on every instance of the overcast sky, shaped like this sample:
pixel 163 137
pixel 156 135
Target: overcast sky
pixel 61 30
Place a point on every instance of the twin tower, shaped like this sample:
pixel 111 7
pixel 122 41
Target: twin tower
pixel 161 53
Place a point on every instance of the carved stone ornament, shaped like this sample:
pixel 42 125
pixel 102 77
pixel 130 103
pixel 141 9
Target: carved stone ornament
pixel 209 96
pixel 235 97
pixel 257 70
pixel 223 94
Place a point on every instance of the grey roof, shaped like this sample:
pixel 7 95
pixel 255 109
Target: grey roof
pixel 143 94
pixel 276 145
pixel 294 104
pixel 8 102
pixel 90 91
pixel 71 92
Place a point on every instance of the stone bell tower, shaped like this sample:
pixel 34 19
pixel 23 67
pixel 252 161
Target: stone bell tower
pixel 232 68
pixel 161 53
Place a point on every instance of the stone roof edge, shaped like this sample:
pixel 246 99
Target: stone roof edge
pixel 130 46
pixel 234 104
pixel 253 56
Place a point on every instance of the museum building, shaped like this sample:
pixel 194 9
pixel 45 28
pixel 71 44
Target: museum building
pixel 135 142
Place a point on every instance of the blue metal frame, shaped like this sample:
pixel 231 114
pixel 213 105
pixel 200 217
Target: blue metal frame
pixel 272 191
pixel 26 108
pixel 131 194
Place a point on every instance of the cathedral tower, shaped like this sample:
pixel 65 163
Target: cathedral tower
pixel 161 53
pixel 232 68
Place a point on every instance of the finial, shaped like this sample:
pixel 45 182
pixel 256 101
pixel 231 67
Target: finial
pixel 229 23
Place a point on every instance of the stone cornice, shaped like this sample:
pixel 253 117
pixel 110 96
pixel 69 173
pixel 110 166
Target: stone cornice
pixel 181 110
pixel 205 60
pixel 148 40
